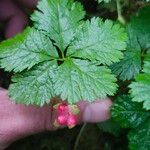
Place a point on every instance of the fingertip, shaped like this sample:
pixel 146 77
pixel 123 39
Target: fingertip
pixel 15 25
pixel 97 111
pixel 7 9
pixel 31 4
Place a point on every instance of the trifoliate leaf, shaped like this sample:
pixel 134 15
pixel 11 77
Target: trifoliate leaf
pixel 139 138
pixel 35 86
pixel 131 64
pixel 25 50
pixel 59 19
pixel 99 41
pixel 140 89
pixel 81 80
pixel 128 113
pixel 60 36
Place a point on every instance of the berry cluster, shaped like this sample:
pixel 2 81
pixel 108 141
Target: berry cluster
pixel 67 115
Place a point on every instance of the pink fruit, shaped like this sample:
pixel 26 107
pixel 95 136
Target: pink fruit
pixel 62 107
pixel 62 120
pixel 66 115
pixel 72 120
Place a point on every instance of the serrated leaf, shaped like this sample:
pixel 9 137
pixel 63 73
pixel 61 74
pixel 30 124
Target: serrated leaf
pixel 99 41
pixel 139 139
pixel 26 50
pixel 146 68
pixel 128 113
pixel 131 64
pixel 129 67
pixel 58 28
pixel 35 86
pixel 140 23
pixel 138 44
pixel 59 19
pixel 81 80
pixel 140 89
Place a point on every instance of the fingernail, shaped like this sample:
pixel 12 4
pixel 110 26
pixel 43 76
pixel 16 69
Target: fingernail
pixel 97 111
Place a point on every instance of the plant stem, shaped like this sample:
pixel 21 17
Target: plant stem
pixel 121 19
pixel 79 136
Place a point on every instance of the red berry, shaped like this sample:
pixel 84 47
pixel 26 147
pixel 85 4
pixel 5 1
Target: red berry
pixel 72 120
pixel 67 115
pixel 62 120
pixel 62 107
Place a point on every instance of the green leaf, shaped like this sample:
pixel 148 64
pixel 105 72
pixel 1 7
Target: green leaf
pixel 146 68
pixel 106 1
pixel 26 50
pixel 140 89
pixel 128 113
pixel 35 86
pixel 137 45
pixel 140 23
pixel 59 19
pixel 131 64
pixel 129 67
pixel 81 80
pixel 139 138
pixel 99 41
pixel 60 34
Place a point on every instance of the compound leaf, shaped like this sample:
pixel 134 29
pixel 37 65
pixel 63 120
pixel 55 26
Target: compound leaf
pixel 61 35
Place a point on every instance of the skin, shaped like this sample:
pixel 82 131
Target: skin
pixel 18 121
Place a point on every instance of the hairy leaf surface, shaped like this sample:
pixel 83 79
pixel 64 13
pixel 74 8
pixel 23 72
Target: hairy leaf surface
pixel 99 41
pixel 59 19
pixel 128 113
pixel 137 46
pixel 26 50
pixel 81 80
pixel 60 37
pixel 35 86
pixel 131 64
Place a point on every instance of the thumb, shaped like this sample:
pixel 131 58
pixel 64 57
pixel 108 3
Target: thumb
pixel 97 111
